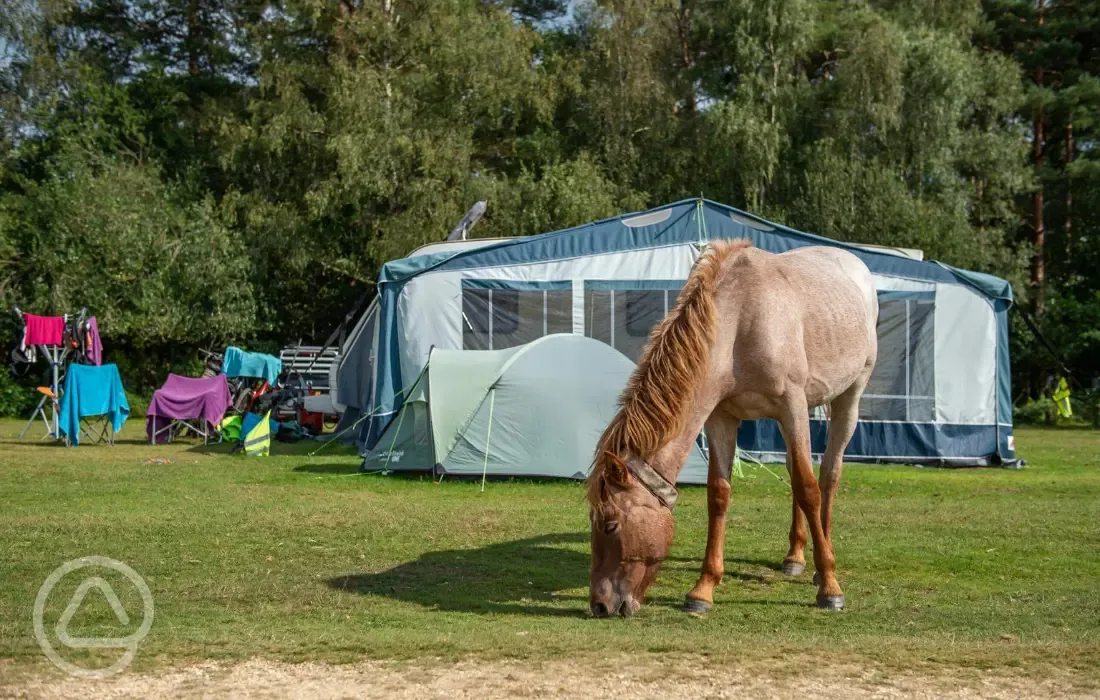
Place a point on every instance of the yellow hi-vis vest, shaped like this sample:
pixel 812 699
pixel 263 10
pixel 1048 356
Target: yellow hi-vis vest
pixel 1061 399
pixel 258 441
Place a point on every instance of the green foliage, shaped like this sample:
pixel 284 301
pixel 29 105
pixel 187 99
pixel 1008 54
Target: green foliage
pixel 113 237
pixel 15 398
pixel 1041 411
pixel 198 172
pixel 564 194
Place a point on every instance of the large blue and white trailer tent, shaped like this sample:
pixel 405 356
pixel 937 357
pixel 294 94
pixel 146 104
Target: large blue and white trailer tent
pixel 939 395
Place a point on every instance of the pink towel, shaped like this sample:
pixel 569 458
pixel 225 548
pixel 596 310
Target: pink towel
pixel 44 330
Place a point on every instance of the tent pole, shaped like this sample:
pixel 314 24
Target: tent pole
pixel 488 434
pixel 365 416
pixel 396 432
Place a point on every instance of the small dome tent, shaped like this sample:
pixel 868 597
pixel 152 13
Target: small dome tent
pixel 940 393
pixel 536 409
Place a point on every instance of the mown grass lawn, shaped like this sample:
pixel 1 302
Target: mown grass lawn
pixel 295 559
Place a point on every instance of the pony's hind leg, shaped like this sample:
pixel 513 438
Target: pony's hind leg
pixel 722 438
pixel 796 431
pixel 842 425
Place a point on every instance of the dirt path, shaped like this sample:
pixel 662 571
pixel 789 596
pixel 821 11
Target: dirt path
pixel 624 678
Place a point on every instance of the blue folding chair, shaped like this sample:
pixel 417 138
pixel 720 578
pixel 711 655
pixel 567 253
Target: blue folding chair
pixel 93 404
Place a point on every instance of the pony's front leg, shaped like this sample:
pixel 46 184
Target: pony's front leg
pixel 722 438
pixel 795 561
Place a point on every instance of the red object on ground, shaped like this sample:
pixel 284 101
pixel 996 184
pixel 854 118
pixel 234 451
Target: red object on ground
pixel 314 421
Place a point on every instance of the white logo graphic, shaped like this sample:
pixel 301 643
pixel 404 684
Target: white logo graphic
pixel 129 643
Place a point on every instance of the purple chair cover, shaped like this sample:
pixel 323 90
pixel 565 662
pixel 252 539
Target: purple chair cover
pixel 187 398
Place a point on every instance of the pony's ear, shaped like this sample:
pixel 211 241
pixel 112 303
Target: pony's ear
pixel 615 469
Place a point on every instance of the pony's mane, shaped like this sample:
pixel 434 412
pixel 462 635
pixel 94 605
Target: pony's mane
pixel 676 358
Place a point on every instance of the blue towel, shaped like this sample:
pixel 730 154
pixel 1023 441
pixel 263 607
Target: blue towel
pixel 238 363
pixel 92 391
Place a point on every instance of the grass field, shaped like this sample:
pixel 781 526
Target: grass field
pixel 289 558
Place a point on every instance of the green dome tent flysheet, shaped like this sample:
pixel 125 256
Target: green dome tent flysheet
pixel 533 410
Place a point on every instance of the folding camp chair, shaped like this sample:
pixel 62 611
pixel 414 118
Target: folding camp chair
pixel 187 403
pixel 97 429
pixel 92 393
pixel 172 430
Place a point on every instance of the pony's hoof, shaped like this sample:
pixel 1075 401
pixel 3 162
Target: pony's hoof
pixel 793 568
pixel 694 606
pixel 830 602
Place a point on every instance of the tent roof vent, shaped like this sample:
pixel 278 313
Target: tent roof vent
pixel 757 224
pixel 649 219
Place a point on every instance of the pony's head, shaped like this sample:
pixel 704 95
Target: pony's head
pixel 631 536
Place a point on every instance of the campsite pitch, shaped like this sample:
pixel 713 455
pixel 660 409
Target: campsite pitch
pixel 982 573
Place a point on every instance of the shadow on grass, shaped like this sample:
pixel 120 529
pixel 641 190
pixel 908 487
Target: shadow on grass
pixel 213 448
pixel 518 577
pixel 327 468
pixel 522 577
pixel 734 573
pixel 279 448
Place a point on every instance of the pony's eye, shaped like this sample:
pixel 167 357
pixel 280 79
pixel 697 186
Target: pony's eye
pixel 611 527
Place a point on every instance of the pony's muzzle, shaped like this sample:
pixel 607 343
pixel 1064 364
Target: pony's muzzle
pixel 619 605
pixel 609 608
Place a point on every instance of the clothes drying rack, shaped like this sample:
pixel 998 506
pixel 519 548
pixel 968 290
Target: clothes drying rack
pixel 55 355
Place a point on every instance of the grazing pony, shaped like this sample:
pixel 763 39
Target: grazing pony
pixel 752 335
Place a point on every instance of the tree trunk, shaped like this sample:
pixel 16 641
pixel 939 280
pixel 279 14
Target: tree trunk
pixel 344 10
pixel 1039 233
pixel 683 25
pixel 979 202
pixel 1038 228
pixel 193 37
pixel 1069 181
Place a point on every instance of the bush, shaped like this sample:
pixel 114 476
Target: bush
pixel 1040 411
pixel 16 400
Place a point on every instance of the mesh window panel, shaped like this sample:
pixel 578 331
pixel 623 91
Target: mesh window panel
pixel 494 319
pixel 624 318
pixel 636 313
pixel 476 314
pixel 903 384
pixel 922 365
pixel 517 317
pixel 506 313
pixel 597 314
pixel 559 311
pixel 673 295
pixel 885 397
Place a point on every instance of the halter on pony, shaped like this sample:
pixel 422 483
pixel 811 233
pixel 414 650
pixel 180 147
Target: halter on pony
pixel 661 488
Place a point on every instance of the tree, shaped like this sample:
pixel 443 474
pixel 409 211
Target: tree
pixel 1055 44
pixel 157 271
pixel 307 142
